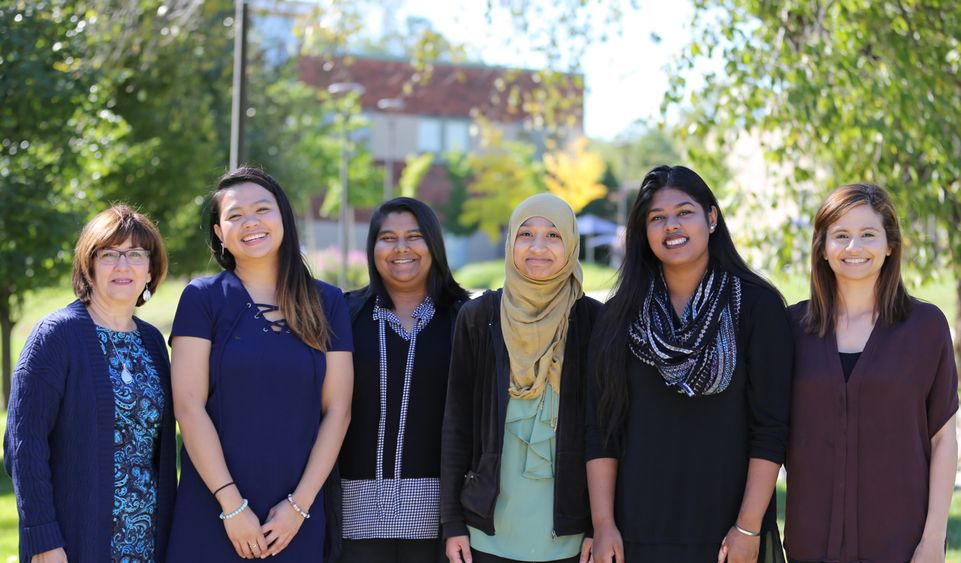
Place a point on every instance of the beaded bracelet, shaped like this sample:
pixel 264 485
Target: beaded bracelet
pixel 290 499
pixel 230 515
pixel 746 532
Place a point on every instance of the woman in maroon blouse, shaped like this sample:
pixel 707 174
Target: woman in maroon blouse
pixel 873 448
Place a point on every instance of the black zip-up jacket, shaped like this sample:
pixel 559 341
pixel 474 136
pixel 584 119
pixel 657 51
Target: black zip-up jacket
pixel 475 414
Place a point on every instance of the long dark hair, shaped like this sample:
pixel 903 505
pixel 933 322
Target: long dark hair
pixel 609 340
pixel 443 290
pixel 297 295
pixel 892 301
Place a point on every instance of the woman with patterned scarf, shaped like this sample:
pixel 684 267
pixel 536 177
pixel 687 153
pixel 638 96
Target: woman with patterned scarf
pixel 513 485
pixel 689 390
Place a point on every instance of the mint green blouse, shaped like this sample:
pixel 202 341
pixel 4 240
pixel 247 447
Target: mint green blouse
pixel 524 511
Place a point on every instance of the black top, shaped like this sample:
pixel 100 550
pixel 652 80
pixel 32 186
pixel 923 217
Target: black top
pixel 683 468
pixel 848 361
pixel 425 412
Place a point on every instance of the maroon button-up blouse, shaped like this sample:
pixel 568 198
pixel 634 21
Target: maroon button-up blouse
pixel 859 452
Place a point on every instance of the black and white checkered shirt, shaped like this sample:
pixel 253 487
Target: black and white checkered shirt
pixel 393 507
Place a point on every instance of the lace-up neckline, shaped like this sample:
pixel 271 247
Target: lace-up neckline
pixel 278 326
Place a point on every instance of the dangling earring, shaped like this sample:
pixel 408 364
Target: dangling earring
pixel 713 227
pixel 223 249
pixel 146 294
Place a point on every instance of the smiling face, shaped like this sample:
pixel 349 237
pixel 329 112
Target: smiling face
pixel 401 255
pixel 539 251
pixel 118 284
pixel 250 226
pixel 678 229
pixel 856 245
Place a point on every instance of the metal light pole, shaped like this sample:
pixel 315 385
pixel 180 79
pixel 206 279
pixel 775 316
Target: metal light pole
pixel 239 99
pixel 388 106
pixel 342 89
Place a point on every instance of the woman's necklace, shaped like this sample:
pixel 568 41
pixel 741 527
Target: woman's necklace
pixel 125 374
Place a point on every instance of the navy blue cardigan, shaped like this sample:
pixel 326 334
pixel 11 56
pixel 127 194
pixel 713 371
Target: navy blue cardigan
pixel 58 446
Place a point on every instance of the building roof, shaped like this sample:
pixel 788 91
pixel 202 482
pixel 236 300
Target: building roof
pixel 452 90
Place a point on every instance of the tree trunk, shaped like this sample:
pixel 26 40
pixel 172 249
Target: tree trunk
pixel 6 328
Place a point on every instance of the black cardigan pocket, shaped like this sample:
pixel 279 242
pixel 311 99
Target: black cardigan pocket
pixel 481 486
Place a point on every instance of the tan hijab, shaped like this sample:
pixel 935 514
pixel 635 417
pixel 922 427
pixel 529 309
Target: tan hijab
pixel 534 312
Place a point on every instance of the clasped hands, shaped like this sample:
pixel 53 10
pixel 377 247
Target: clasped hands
pixel 252 540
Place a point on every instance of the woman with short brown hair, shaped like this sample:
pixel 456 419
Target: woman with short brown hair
pixel 90 431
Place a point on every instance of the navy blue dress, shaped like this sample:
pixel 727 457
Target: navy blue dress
pixel 265 402
pixel 139 399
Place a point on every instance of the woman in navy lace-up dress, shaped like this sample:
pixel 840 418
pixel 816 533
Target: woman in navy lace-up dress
pixel 90 431
pixel 262 378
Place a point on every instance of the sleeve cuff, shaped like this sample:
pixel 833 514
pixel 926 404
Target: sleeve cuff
pixel 37 539
pixel 454 529
pixel 774 456
pixel 600 453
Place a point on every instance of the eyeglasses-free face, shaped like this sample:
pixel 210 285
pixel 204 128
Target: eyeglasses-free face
pixel 134 256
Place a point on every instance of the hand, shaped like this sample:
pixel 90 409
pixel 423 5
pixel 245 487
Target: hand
pixel 53 556
pixel 283 523
pixel 608 545
pixel 586 556
pixel 739 548
pixel 458 549
pixel 928 552
pixel 244 533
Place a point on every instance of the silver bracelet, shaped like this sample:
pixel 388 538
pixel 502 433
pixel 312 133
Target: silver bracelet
pixel 746 532
pixel 293 503
pixel 230 515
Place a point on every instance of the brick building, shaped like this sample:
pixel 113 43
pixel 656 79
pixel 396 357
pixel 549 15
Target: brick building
pixel 436 114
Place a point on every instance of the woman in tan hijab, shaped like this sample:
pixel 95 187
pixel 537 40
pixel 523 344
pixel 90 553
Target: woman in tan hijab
pixel 513 486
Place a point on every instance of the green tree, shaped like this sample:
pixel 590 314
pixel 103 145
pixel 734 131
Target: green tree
pixel 574 174
pixel 638 149
pixel 457 167
pixel 50 132
pixel 504 174
pixel 100 101
pixel 839 92
pixel 416 168
pixel 176 99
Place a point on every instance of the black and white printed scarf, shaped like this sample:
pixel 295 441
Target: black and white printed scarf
pixel 697 355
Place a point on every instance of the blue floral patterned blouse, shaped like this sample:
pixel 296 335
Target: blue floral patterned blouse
pixel 139 402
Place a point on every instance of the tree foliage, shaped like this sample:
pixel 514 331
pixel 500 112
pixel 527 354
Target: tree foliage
pixel 415 169
pixel 839 92
pixel 458 170
pixel 574 174
pixel 506 173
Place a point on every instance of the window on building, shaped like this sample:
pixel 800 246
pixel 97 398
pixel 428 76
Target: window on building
pixel 429 135
pixel 457 136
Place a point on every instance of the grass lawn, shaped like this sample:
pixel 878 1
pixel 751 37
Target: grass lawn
pixel 490 275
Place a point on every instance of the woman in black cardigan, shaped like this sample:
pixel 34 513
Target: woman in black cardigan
pixel 512 464
pixel 403 329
